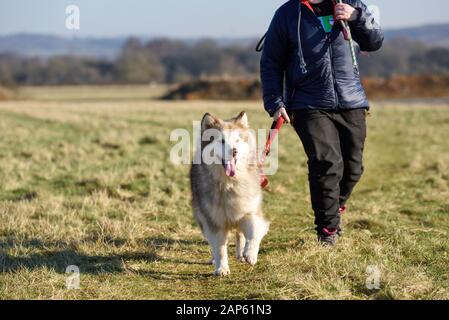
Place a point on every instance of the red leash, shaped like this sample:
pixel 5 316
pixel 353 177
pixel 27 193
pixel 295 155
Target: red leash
pixel 276 126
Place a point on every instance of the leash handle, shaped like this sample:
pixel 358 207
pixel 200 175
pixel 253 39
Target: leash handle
pixel 275 127
pixel 348 37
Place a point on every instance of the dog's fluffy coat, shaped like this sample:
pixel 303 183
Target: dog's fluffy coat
pixel 226 195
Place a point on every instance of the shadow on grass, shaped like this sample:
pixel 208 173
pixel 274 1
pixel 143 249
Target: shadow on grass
pixel 380 294
pixel 166 275
pixel 165 241
pixel 61 259
pixel 58 255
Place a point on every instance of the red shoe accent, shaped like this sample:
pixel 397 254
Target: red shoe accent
pixel 342 210
pixel 329 232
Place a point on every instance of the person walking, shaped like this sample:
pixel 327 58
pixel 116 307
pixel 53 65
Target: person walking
pixel 309 79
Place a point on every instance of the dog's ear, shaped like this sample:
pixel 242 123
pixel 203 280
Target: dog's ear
pixel 242 119
pixel 209 122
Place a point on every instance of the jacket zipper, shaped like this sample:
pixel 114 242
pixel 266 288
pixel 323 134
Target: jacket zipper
pixel 334 81
pixel 328 37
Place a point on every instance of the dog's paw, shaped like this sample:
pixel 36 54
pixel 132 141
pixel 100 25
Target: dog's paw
pixel 240 258
pixel 211 261
pixel 222 272
pixel 251 258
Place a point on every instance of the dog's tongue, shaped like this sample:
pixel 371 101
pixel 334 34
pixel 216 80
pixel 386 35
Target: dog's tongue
pixel 230 167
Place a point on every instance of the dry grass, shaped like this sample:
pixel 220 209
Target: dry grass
pixel 89 183
pixel 92 94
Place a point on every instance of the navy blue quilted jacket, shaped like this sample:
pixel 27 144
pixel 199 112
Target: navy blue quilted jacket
pixel 318 73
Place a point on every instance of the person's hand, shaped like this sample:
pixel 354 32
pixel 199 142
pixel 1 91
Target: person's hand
pixel 345 12
pixel 281 113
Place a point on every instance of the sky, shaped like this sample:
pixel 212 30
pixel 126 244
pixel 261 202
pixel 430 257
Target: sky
pixel 184 18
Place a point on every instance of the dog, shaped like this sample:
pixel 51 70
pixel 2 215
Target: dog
pixel 226 192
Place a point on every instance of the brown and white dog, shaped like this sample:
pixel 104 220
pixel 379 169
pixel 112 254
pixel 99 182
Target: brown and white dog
pixel 226 192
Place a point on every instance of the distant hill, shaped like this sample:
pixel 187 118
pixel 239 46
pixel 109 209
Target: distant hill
pixel 36 45
pixel 432 35
pixel 29 45
pixel 45 46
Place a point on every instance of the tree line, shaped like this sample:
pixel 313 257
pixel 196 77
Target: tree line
pixel 172 61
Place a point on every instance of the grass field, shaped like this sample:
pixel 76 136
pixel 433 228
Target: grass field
pixel 88 182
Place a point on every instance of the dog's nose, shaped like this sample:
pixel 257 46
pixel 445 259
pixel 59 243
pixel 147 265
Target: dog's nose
pixel 234 152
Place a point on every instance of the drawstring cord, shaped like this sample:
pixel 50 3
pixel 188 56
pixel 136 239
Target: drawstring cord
pixel 302 62
pixel 260 44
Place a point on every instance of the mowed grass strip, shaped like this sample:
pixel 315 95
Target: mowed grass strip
pixel 90 184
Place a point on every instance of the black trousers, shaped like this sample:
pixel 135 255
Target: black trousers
pixel 334 143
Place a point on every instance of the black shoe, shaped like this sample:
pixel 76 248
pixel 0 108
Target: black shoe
pixel 329 237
